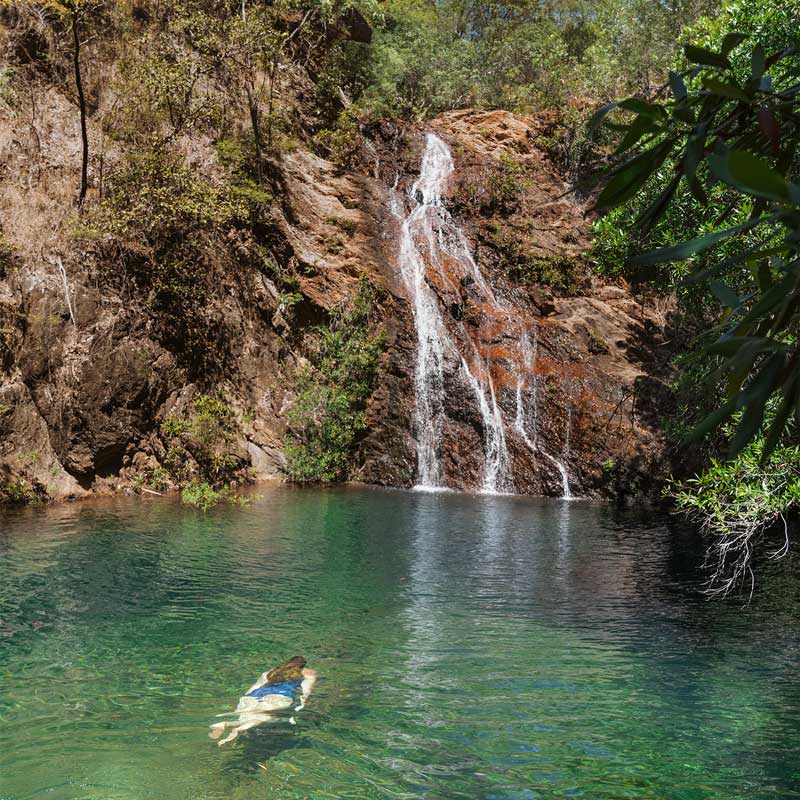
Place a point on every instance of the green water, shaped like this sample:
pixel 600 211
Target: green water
pixel 468 647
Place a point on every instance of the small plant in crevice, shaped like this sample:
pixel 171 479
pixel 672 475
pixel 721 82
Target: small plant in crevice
pixel 505 185
pixel 20 492
pixel 523 265
pixel 329 414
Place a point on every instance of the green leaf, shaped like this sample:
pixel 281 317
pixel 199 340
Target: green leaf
pixel 750 174
pixel 725 294
pixel 650 216
pixel 781 417
pixel 699 55
pixel 732 41
pixel 640 127
pixel 758 62
pixel 730 346
pixel 600 115
pixel 643 108
pixel 753 399
pixel 684 250
pixel 677 86
pixel 711 422
pixel 725 89
pixel 631 176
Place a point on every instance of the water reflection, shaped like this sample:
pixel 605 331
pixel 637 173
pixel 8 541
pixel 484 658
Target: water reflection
pixel 468 646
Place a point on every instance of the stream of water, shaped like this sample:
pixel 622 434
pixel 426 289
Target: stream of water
pixel 431 240
pixel 469 647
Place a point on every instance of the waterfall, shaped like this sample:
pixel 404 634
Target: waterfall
pixel 529 353
pixel 428 234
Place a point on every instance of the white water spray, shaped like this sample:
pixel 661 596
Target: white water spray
pixel 427 234
pixel 529 353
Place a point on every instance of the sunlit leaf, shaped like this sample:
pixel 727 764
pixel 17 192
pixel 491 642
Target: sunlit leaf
pixel 684 250
pixel 749 174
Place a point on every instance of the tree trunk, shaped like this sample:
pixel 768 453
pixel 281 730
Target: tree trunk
pixel 255 121
pixel 76 59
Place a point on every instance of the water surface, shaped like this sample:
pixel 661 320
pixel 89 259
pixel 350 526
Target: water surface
pixel 468 647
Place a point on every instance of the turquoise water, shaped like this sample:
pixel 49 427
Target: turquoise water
pixel 468 647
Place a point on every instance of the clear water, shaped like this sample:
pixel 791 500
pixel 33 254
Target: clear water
pixel 468 647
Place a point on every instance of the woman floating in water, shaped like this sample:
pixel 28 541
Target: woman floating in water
pixel 274 691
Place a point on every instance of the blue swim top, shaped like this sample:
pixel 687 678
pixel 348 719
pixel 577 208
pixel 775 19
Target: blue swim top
pixel 287 689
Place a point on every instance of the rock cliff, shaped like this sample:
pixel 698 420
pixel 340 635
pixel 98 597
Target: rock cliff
pixel 91 370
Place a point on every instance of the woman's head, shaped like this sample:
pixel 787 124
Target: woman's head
pixel 291 670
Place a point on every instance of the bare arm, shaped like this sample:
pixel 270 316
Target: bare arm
pixel 306 687
pixel 258 684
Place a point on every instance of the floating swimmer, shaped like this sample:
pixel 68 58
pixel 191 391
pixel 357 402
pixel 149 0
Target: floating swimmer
pixel 274 691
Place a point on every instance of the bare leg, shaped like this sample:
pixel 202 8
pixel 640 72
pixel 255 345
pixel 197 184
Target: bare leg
pixel 255 719
pixel 218 727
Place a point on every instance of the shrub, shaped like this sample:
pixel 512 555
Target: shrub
pixel 505 185
pixel 329 413
pixel 342 143
pixel 737 503
pixel 201 494
pixel 527 267
pixel 18 491
pixel 198 446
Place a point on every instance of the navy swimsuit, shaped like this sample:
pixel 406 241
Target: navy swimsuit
pixel 287 689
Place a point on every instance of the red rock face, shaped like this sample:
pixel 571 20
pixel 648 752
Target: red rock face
pixel 568 360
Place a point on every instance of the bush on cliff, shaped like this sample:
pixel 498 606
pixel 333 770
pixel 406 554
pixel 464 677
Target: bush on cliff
pixel 329 414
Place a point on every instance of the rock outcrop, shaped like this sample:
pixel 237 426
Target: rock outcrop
pixel 89 376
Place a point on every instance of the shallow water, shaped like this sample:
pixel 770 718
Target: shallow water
pixel 468 647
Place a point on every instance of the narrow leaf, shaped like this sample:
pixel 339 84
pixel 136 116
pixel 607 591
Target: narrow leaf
pixel 725 89
pixel 732 41
pixel 699 55
pixel 750 174
pixel 770 128
pixel 677 86
pixel 758 62
pixel 725 294
pixel 684 250
pixel 600 115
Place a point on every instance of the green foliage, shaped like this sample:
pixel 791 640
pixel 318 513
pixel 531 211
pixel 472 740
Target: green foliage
pixel 526 265
pixel 201 495
pixel 328 416
pixel 342 142
pixel 198 445
pixel 6 255
pixel 737 501
pixel 7 92
pixel 731 132
pixel 595 344
pixel 427 58
pixel 18 491
pixel 506 184
pixel 156 197
pixel 153 477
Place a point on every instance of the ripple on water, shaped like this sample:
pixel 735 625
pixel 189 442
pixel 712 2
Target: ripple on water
pixel 468 647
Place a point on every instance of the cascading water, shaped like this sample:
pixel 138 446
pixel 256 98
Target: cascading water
pixel 433 247
pixel 427 234
pixel 529 353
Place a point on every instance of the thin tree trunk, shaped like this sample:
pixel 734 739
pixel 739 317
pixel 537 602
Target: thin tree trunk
pixel 76 59
pixel 255 121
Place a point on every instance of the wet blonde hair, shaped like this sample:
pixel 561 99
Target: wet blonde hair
pixel 291 670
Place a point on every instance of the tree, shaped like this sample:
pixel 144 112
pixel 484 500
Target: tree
pixel 714 154
pixel 73 14
pixel 741 131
